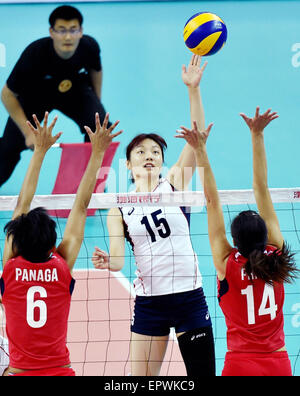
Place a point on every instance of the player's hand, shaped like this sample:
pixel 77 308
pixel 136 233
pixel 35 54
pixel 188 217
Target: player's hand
pixel 29 141
pixel 192 75
pixel 103 136
pixel 42 134
pixel 258 123
pixel 100 259
pixel 195 138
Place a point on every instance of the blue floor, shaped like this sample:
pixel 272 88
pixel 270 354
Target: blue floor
pixel 142 52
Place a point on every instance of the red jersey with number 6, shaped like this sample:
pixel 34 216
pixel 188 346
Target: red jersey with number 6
pixel 37 298
pixel 253 309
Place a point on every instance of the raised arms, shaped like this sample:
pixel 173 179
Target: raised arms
pixel 43 140
pixel 257 124
pixel 74 231
pixel 216 228
pixel 181 173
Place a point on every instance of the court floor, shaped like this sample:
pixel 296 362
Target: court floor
pixel 142 53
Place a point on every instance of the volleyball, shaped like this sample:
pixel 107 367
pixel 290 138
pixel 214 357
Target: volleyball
pixel 205 33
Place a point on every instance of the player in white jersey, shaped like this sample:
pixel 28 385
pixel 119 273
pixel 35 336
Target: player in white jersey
pixel 168 284
pixel 159 236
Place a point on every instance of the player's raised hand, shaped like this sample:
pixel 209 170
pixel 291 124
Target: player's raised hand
pixel 103 136
pixel 258 123
pixel 192 75
pixel 195 138
pixel 42 134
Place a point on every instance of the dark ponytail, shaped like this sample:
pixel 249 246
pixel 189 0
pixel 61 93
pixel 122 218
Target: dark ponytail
pixel 250 236
pixel 277 266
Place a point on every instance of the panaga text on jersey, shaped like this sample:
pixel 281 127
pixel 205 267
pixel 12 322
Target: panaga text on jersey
pixel 36 275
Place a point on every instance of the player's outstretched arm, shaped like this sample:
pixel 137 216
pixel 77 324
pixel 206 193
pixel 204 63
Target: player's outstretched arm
pixel 43 140
pixel 216 227
pixel 257 124
pixel 74 231
pixel 181 173
pixel 114 261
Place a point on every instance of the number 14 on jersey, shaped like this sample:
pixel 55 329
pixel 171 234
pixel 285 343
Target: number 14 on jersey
pixel 267 306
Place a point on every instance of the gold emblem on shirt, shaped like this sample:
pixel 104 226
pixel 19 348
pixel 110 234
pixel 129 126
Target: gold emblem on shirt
pixel 65 86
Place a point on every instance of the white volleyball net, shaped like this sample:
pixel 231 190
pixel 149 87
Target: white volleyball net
pixel 102 302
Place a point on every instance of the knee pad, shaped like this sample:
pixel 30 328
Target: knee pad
pixel 198 352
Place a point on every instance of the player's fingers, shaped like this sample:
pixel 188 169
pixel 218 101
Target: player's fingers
pixel 96 259
pixel 45 121
pixel 88 130
pixel 105 121
pixel 208 129
pixel 185 129
pixel 32 128
pixel 204 66
pixel 97 121
pixel 112 127
pixel 36 121
pixel 195 126
pixel 181 132
pixel 99 251
pixel 116 134
pixel 246 118
pixel 57 136
pixel 52 124
pixel 266 114
pixel 274 117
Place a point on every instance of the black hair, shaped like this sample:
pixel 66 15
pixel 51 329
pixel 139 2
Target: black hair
pixel 66 13
pixel 33 235
pixel 249 232
pixel 142 136
pixel 250 235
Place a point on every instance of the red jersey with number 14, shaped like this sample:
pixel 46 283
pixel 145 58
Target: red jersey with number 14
pixel 37 298
pixel 253 309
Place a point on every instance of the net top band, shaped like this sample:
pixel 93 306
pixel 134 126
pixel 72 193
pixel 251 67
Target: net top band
pixel 178 198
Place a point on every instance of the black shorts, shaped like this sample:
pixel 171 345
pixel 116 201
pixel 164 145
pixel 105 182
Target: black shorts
pixel 154 316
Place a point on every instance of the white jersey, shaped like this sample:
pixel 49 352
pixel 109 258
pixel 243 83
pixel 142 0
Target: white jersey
pixel 160 239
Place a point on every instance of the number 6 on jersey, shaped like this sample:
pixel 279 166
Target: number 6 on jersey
pixel 36 304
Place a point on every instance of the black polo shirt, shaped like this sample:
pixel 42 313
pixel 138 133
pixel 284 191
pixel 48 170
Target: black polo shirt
pixel 40 71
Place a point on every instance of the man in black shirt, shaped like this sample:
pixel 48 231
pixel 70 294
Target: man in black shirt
pixel 60 72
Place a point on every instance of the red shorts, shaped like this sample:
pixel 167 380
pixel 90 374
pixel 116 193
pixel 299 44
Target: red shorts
pixel 257 364
pixel 50 372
